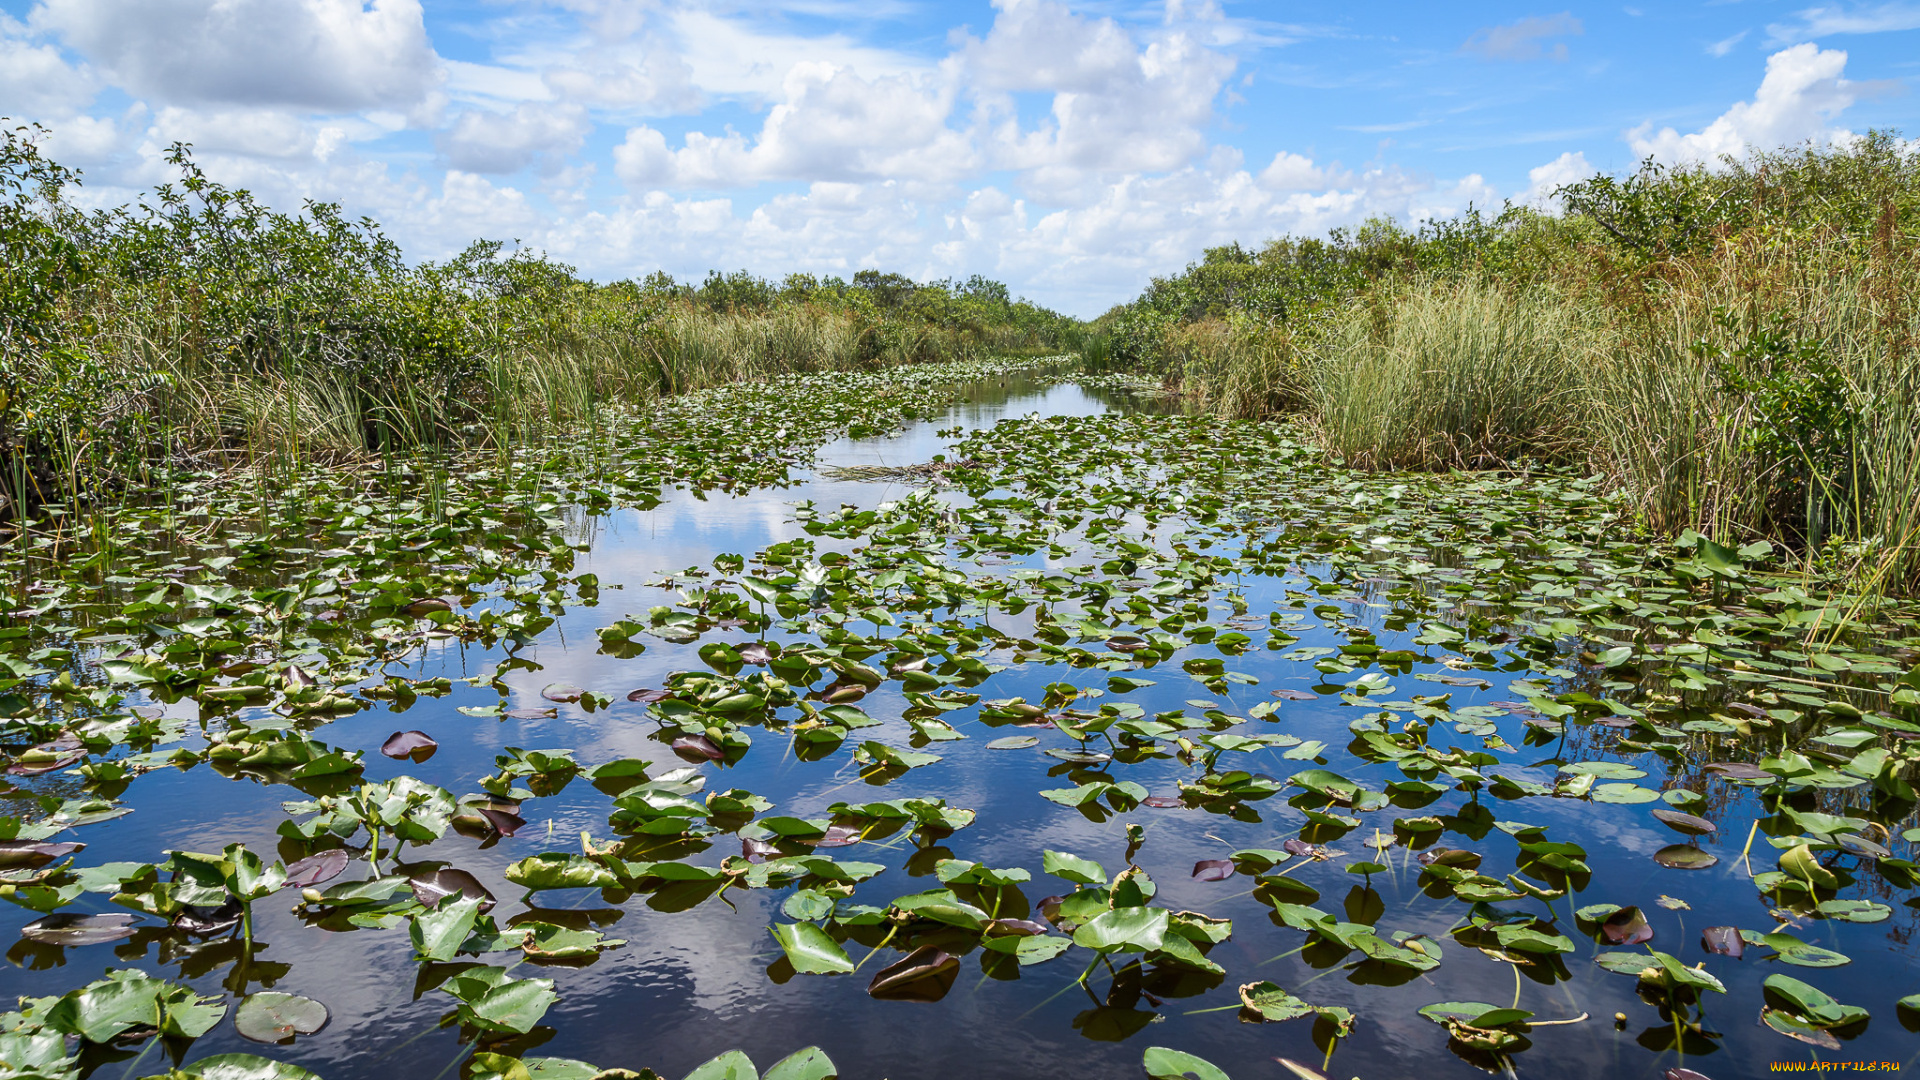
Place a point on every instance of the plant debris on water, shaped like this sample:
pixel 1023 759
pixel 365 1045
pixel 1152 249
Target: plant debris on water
pixel 1282 756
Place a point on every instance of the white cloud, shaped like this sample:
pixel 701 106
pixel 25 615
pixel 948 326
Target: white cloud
pixel 831 125
pixel 649 76
pixel 1297 172
pixel 1819 22
pixel 1570 167
pixel 263 133
pixel 332 55
pixel 489 142
pixel 85 140
pixel 1040 45
pixel 494 83
pixel 35 80
pixel 1117 108
pixel 1801 93
pixel 727 57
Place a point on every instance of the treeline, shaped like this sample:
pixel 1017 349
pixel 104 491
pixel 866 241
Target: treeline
pixel 199 320
pixel 1731 346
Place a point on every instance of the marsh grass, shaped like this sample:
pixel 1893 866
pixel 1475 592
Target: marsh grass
pixel 1460 374
pixel 176 396
pixel 1731 348
pixel 1239 369
pixel 1706 430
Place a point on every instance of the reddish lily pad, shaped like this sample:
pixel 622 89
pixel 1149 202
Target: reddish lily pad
pixel 415 745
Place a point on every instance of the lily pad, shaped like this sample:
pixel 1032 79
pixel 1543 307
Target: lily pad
pixel 1628 926
pixel 1723 940
pixel 1684 857
pixel 1166 1064
pixel 415 745
pixel 316 869
pixel 925 974
pixel 1686 823
pixel 437 885
pixel 810 949
pixel 73 929
pixel 270 1017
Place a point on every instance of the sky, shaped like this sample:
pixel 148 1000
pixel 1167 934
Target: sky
pixel 1072 150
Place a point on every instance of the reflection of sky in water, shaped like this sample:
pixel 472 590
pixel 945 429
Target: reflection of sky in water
pixel 691 983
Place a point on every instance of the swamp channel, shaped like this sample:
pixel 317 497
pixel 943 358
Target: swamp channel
pixel 982 720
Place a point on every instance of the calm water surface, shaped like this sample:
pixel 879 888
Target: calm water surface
pixel 691 983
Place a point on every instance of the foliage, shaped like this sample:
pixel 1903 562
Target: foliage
pixel 1731 344
pixel 202 319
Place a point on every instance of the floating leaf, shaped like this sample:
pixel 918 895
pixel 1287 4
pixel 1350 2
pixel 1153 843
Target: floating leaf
pixel 1686 823
pixel 925 974
pixel 417 745
pixel 33 852
pixel 271 1017
pixel 1684 857
pixel 1723 940
pixel 73 929
pixel 1628 926
pixel 1854 911
pixel 732 1065
pixel 1165 1064
pixel 433 887
pixel 810 950
pixel 811 1063
pixel 244 1067
pixel 1213 869
pixel 698 748
pixel 1073 868
pixel 316 869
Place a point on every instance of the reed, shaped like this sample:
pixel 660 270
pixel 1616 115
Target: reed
pixel 1453 374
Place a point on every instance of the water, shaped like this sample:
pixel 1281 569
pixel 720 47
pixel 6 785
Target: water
pixel 690 983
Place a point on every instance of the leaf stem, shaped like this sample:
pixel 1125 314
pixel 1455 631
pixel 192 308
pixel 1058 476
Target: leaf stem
pixel 876 948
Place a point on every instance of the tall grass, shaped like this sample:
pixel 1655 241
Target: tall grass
pixel 1454 374
pixel 202 322
pixel 567 376
pixel 1733 347
pixel 1238 368
pixel 1709 423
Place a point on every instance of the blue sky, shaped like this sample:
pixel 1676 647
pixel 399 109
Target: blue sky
pixel 1072 150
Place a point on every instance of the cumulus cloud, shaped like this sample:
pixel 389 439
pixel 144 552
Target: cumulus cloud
pixel 35 80
pixel 1078 257
pixel 1801 93
pixel 330 55
pixel 1069 153
pixel 481 141
pixel 648 76
pixel 1116 107
pixel 1570 167
pixel 1297 172
pixel 1526 39
pixel 832 125
pixel 264 133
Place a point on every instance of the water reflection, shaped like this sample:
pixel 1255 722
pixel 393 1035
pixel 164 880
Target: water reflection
pixel 695 977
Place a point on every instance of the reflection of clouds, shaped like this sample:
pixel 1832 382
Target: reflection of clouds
pixel 689 984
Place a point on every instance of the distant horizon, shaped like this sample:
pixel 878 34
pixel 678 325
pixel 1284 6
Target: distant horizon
pixel 1072 152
